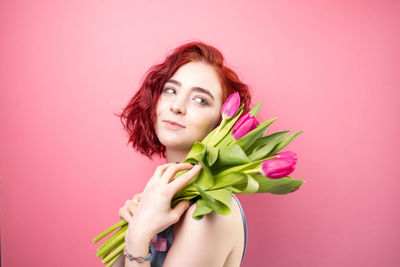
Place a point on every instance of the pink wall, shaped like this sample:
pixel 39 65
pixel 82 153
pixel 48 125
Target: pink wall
pixel 330 68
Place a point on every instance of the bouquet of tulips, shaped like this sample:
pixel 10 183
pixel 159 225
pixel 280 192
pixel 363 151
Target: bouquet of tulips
pixel 237 158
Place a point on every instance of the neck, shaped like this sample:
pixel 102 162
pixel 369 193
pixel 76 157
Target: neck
pixel 176 155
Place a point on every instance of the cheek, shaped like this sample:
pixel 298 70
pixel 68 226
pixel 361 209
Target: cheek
pixel 157 117
pixel 206 122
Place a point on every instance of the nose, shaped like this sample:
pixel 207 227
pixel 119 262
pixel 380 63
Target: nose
pixel 178 107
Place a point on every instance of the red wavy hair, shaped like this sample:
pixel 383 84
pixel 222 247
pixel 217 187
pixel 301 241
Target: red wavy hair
pixel 139 115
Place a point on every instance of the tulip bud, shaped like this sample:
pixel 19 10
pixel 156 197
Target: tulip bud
pixel 229 109
pixel 279 167
pixel 231 106
pixel 245 124
pixel 288 155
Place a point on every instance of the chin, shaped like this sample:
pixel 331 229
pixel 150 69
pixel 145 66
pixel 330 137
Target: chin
pixel 177 143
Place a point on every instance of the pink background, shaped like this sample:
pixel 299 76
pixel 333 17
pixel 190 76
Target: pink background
pixel 330 68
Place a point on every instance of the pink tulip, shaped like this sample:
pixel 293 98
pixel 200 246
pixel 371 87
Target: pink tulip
pixel 244 125
pixel 289 155
pixel 279 167
pixel 231 106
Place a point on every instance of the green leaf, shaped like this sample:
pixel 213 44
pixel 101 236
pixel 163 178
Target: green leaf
pixel 213 141
pixel 203 194
pixel 284 143
pixel 246 141
pixel 238 168
pixel 228 180
pixel 215 199
pixel 279 186
pixel 232 155
pixel 255 109
pixel 185 192
pixel 183 196
pixel 272 140
pixel 264 151
pixel 249 186
pixel 204 178
pixel 196 149
pixel 201 209
pixel 223 197
pixel 234 189
pixel 209 136
pixel 228 139
pixel 212 155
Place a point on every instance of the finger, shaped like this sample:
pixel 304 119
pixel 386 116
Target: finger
pixel 125 215
pixel 182 180
pixel 157 174
pixel 161 169
pixel 136 198
pixel 179 209
pixel 131 205
pixel 132 208
pixel 172 170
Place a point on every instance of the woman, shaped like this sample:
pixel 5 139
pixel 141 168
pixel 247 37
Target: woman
pixel 179 102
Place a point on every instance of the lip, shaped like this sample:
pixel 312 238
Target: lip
pixel 174 124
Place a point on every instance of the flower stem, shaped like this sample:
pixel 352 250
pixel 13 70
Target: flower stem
pixel 107 248
pixel 109 230
pixel 253 171
pixel 116 251
pixel 243 167
pixel 99 249
pixel 110 264
pixel 222 124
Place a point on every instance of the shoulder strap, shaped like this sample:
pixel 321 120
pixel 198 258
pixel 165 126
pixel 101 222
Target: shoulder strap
pixel 244 226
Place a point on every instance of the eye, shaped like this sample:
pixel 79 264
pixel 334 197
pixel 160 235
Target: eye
pixel 168 90
pixel 201 101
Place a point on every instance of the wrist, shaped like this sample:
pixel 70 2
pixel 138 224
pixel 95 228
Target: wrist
pixel 135 235
pixel 137 241
pixel 133 257
pixel 137 249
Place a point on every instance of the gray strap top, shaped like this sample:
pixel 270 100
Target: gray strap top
pixel 158 257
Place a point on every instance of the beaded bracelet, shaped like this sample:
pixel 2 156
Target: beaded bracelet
pixel 139 259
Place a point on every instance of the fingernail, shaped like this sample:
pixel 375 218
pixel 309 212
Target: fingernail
pixel 198 163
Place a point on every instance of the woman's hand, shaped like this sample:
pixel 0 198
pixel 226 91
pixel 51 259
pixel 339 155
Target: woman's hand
pixel 128 210
pixel 153 213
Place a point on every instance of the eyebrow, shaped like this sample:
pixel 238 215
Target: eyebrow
pixel 195 88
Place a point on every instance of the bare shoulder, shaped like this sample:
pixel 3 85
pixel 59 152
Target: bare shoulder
pixel 212 222
pixel 205 242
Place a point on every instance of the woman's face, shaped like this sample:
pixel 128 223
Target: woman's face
pixel 189 106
